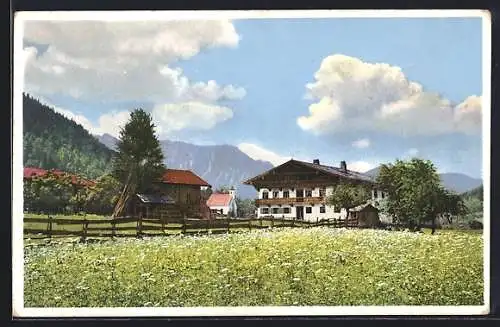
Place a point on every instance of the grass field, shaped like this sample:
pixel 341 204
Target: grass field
pixel 316 266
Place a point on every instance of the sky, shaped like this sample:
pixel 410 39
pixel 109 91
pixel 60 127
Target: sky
pixel 363 90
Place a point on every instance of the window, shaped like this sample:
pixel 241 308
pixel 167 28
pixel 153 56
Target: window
pixel 322 209
pixel 300 193
pixel 309 209
pixel 322 192
pixel 275 210
pixel 264 211
pixel 286 210
pixel 275 194
pixel 265 195
pixel 309 193
pixel 375 195
pixel 336 209
pixel 383 195
pixel 286 194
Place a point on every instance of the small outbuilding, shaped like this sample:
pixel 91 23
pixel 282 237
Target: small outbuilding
pixel 366 214
pixel 176 194
pixel 223 203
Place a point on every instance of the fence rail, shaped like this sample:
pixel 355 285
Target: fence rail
pixel 137 226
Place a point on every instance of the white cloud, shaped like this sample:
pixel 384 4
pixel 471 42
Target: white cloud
pixel 468 115
pixel 412 152
pixel 124 60
pixel 356 95
pixel 361 143
pixel 111 123
pixel 360 166
pixel 189 115
pixel 259 153
pixel 168 118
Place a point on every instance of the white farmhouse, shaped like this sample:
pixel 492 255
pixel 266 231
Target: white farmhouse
pixel 223 203
pixel 298 190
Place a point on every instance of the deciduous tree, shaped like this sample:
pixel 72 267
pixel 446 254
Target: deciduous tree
pixel 246 207
pixel 415 193
pixel 348 196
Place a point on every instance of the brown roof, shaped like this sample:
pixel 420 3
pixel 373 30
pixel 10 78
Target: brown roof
pixel 334 171
pixel 185 177
pixel 219 200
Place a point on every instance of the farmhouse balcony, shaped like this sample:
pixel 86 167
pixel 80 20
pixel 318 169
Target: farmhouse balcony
pixel 288 201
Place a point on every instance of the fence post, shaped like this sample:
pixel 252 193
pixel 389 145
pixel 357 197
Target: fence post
pixel 293 222
pixel 49 227
pixel 260 221
pixel 347 219
pixel 250 224
pixel 139 227
pixel 113 227
pixel 228 224
pixel 184 224
pixel 317 221
pixel 85 227
pixel 272 221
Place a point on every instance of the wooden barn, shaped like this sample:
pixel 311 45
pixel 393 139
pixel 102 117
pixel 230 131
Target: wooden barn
pixel 176 194
pixel 366 214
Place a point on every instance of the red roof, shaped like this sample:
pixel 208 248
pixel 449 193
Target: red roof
pixel 30 172
pixel 219 200
pixel 185 177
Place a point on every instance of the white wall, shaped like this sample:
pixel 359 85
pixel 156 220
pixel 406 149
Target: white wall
pixel 315 212
pixel 225 210
pixel 279 215
pixel 292 194
pixel 379 195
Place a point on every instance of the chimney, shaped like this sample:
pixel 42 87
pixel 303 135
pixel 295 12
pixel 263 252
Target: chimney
pixel 316 161
pixel 343 165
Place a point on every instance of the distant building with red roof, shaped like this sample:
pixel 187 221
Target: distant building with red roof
pixel 223 203
pixel 31 172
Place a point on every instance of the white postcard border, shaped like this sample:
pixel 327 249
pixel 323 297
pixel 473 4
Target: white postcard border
pixel 17 154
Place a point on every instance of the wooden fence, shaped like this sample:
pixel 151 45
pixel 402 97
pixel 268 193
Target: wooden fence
pixel 137 227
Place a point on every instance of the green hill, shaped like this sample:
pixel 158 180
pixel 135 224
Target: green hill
pixel 52 141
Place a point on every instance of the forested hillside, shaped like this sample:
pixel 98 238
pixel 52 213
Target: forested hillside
pixel 475 193
pixel 473 201
pixel 53 141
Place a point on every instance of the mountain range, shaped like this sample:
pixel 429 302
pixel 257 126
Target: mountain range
pixel 219 165
pixel 456 182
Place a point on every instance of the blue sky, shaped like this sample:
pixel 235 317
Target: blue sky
pixel 269 63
